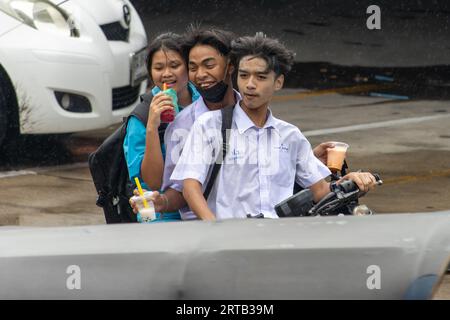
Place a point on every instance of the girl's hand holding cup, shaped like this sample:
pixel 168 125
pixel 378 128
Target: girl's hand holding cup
pixel 160 103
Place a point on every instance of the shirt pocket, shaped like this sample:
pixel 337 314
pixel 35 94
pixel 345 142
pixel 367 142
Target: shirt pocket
pixel 284 173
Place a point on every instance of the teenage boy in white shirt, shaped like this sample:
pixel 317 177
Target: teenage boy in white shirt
pixel 266 155
pixel 210 69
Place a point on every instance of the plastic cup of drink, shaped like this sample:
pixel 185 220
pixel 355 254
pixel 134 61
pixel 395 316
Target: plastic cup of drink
pixel 169 115
pixel 336 156
pixel 139 201
pixel 147 214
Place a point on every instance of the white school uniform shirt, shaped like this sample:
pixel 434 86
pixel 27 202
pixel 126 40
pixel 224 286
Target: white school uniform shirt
pixel 174 140
pixel 260 167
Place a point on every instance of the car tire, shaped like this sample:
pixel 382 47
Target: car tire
pixel 9 119
pixel 3 112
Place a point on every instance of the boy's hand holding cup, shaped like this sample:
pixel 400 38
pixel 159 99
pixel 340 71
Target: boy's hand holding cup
pixel 336 156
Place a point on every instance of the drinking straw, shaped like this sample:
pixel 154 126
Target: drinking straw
pixel 164 86
pixel 141 192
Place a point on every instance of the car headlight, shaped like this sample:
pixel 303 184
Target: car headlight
pixel 42 15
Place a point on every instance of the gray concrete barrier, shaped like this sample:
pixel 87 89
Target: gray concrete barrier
pixel 396 256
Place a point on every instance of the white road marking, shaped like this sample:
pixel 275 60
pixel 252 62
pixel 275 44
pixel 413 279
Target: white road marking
pixel 15 173
pixel 373 125
pixel 37 170
pixel 76 165
pixel 311 133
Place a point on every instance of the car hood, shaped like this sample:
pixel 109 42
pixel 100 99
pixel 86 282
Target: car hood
pixel 102 12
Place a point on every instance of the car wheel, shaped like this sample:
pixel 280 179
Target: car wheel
pixel 9 123
pixel 3 113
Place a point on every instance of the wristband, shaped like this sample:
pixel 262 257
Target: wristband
pixel 166 200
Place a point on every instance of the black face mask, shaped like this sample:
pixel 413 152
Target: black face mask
pixel 215 93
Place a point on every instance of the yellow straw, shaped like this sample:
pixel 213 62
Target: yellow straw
pixel 164 86
pixel 141 192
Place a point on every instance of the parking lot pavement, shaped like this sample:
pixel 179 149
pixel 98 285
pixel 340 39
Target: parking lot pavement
pixel 407 142
pixel 321 30
pixel 50 196
pixel 443 293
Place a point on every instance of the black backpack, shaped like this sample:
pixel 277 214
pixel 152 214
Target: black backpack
pixel 110 172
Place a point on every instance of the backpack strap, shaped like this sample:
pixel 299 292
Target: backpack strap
pixel 141 112
pixel 142 109
pixel 227 120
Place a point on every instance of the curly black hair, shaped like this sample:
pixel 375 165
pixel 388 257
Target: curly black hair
pixel 216 38
pixel 279 59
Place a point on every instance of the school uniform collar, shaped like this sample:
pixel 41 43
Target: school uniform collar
pixel 243 122
pixel 201 107
pixel 155 90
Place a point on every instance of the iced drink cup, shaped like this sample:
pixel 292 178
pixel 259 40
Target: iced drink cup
pixel 336 156
pixel 169 115
pixel 145 214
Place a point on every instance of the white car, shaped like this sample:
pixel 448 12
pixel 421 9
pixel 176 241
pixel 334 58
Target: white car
pixel 69 66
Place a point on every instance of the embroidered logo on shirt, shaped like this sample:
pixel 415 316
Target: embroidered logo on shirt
pixel 236 154
pixel 283 147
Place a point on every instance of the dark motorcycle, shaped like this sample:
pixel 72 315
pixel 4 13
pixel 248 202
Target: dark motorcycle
pixel 342 200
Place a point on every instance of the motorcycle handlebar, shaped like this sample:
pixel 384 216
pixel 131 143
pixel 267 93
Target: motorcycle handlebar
pixel 301 203
pixel 350 186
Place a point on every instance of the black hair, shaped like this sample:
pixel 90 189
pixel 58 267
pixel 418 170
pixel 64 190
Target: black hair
pixel 279 59
pixel 216 38
pixel 165 41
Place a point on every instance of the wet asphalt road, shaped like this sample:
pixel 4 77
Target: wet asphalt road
pixel 413 33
